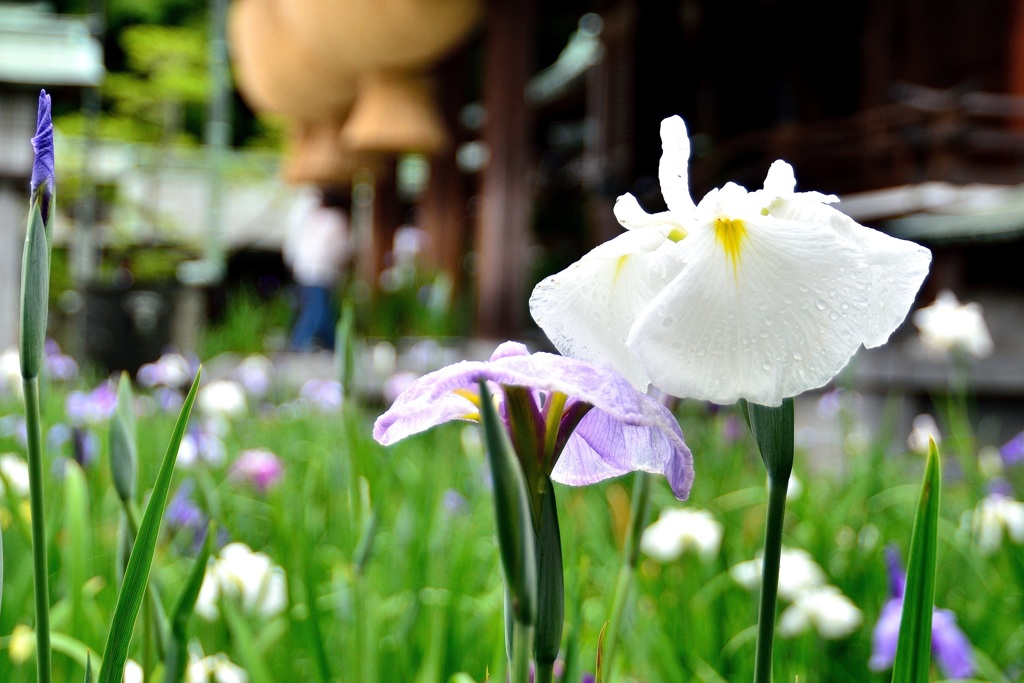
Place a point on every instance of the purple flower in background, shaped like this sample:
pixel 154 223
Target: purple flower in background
pixel 259 467
pixel 950 647
pixel 183 515
pixel 201 442
pixel 1013 450
pixel 92 407
pixel 604 427
pixel 454 502
pixel 42 169
pixel 324 394
pixel 254 374
pixel 59 366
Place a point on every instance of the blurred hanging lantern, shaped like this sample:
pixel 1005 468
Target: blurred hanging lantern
pixel 315 156
pixel 368 34
pixel 394 112
pixel 278 73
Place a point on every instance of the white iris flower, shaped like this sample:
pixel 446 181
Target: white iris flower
pixel 757 295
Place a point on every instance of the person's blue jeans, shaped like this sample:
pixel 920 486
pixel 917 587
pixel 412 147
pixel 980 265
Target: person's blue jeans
pixel 315 323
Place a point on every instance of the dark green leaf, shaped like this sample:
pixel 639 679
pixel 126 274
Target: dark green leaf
pixel 551 582
pixel 913 650
pixel 516 541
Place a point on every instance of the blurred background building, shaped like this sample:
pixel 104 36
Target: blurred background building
pixel 503 132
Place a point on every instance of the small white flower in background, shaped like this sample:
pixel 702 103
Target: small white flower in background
pixel 238 572
pixel 680 529
pixel 794 488
pixel 923 429
pixel 947 325
pixel 832 614
pixel 170 370
pixel 216 668
pixel 223 398
pixel 132 672
pixel 10 372
pixel 994 514
pixel 798 572
pixel 15 472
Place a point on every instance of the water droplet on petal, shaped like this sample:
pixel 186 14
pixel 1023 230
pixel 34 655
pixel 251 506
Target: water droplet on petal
pixel 820 303
pixel 766 365
pixel 797 355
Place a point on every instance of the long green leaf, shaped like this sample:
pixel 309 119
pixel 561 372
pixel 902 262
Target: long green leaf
pixel 136 576
pixel 124 448
pixel 913 649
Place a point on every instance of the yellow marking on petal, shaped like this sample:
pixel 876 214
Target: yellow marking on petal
pixel 677 234
pixel 468 395
pixel 730 233
pixel 475 417
pixel 619 265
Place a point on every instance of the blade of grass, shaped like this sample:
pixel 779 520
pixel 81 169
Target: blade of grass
pixel 79 545
pixel 913 649
pixel 136 576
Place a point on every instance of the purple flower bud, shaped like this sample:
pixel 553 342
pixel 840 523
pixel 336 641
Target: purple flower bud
pixel 42 143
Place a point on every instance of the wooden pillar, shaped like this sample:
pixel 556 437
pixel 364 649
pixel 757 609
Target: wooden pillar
pixel 503 231
pixel 387 215
pixel 444 215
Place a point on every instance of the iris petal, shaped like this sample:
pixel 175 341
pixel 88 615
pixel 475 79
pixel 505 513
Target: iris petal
pixel 673 170
pixel 587 310
pixel 626 430
pixel 787 319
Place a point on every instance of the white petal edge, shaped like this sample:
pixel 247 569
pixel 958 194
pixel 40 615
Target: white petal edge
pixel 673 169
pixel 588 309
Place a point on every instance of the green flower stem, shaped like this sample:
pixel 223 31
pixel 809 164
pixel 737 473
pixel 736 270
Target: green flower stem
pixel 40 566
pixel 630 559
pixel 522 649
pixel 777 487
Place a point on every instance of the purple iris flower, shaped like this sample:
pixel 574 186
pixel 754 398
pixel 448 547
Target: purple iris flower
pixel 604 427
pixel 183 515
pixel 325 395
pixel 950 647
pixel 59 366
pixel 92 407
pixel 42 169
pixel 1013 450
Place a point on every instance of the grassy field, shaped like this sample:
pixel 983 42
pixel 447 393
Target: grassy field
pixel 390 561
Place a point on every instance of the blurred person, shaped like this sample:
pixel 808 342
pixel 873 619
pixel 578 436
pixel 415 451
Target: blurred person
pixel 317 249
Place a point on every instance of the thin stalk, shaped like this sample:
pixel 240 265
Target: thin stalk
pixel 630 559
pixel 40 566
pixel 522 647
pixel 770 578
